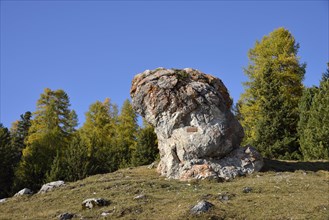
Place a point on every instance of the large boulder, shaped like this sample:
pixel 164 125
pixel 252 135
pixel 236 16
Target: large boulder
pixel 196 130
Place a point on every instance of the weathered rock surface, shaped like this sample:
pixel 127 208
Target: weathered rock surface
pixel 94 202
pixel 24 191
pixel 202 206
pixel 198 135
pixel 50 186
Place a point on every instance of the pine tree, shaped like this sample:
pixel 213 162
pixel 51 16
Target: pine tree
pixel 147 146
pixel 126 133
pixel 7 155
pixel 268 109
pixel 49 134
pixel 313 126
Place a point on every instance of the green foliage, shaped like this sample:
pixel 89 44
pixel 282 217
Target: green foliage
pixel 313 127
pixel 126 133
pixel 182 74
pixel 268 109
pixel 99 134
pixel 72 164
pixel 147 146
pixel 50 132
pixel 7 161
pixel 19 131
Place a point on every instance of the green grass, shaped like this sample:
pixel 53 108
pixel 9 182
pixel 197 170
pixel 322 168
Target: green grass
pixel 284 190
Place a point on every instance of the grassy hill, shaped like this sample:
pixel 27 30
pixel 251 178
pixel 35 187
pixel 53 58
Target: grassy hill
pixel 283 190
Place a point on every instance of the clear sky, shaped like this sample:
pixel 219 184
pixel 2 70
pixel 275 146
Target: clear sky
pixel 92 49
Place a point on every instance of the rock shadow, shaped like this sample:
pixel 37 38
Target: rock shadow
pixel 292 166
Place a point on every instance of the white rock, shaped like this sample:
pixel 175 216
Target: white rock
pixel 24 191
pixel 50 186
pixel 93 202
pixel 202 206
pixel 3 200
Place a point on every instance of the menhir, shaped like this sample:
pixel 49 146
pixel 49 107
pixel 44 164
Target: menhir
pixel 198 135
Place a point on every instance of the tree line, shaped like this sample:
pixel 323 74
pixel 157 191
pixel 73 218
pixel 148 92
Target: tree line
pixel 45 145
pixel 281 117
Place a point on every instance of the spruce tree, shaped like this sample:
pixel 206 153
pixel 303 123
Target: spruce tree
pixel 313 127
pixel 73 165
pixel 7 155
pixel 19 133
pixel 147 146
pixel 268 109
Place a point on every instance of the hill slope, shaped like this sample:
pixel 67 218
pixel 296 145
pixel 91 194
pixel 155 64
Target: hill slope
pixel 291 194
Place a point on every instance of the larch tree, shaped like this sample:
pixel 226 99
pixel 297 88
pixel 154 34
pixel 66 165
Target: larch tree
pixel 126 133
pixel 49 134
pixel 268 109
pixel 98 133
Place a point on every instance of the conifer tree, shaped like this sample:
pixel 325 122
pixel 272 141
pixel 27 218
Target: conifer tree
pixel 19 133
pixel 73 165
pixel 147 146
pixel 126 133
pixel 98 132
pixel 313 127
pixel 7 155
pixel 49 134
pixel 268 109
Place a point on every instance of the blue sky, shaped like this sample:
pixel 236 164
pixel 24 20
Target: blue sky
pixel 92 49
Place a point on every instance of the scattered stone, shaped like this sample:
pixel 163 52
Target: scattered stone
pixel 50 186
pixel 24 191
pixel 3 200
pixel 91 203
pixel 198 135
pixel 201 207
pixel 225 196
pixel 247 189
pixel 66 216
pixel 105 213
pixel 141 196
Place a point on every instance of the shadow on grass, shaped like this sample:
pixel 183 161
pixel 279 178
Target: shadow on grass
pixel 291 166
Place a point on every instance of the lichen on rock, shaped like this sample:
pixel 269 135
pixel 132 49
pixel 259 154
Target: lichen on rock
pixel 198 135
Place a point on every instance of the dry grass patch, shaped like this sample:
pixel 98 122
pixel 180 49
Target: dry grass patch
pixel 291 193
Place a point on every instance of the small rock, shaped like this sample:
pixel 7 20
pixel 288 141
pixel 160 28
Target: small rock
pixel 105 213
pixel 247 189
pixel 3 200
pixel 65 216
pixel 24 191
pixel 201 207
pixel 224 197
pixel 50 186
pixel 141 196
pixel 91 203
